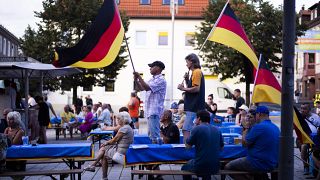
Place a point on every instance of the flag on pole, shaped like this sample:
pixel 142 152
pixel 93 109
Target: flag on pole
pixel 99 46
pixel 228 31
pixel 267 89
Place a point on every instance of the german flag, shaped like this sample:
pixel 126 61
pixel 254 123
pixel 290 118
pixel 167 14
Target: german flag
pixel 268 89
pixel 228 31
pixel 301 127
pixel 99 46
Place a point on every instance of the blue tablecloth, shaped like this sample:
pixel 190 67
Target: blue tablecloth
pixel 144 139
pixel 71 150
pixel 166 153
pixel 101 133
pixel 231 135
pixel 236 129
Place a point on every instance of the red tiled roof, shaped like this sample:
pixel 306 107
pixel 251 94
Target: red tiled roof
pixel 190 9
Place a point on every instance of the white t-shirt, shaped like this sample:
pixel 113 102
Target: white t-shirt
pixel 313 121
pixel 32 102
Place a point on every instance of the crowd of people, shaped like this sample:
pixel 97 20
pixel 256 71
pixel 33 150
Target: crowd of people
pixel 191 116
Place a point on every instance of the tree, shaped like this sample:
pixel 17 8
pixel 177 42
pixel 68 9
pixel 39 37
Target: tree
pixel 63 23
pixel 262 23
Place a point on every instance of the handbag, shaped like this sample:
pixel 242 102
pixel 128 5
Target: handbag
pixel 119 158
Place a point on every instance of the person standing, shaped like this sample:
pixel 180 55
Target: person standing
pixel 43 119
pixel 89 101
pixel 155 93
pixel 50 106
pixel 238 98
pixel 133 107
pixel 194 99
pixel 208 143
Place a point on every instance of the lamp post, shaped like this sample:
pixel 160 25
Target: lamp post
pixel 172 12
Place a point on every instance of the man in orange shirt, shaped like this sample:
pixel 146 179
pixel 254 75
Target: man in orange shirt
pixel 133 107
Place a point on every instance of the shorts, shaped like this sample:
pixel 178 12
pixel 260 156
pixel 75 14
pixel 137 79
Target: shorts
pixel 188 122
pixel 135 119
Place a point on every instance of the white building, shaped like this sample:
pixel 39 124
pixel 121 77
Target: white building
pixel 150 39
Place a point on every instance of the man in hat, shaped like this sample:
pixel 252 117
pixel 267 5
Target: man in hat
pixel 263 152
pixel 194 99
pixel 155 93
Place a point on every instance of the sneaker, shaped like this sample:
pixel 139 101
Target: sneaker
pixel 90 168
pixel 306 171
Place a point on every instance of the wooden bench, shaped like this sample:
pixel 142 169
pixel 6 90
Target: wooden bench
pixel 274 173
pixel 50 173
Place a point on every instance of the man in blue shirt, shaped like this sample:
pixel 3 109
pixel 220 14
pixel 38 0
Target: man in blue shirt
pixel 208 143
pixel 262 141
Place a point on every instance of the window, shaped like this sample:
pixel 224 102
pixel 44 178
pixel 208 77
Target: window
pixel 109 87
pixel 311 58
pixel 163 39
pixel 189 39
pixel 8 48
pixel 87 88
pixel 167 2
pixel 224 93
pixel 0 43
pixel 145 2
pixel 4 50
pixel 141 38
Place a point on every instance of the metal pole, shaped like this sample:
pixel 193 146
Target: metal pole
pixel 286 138
pixel 26 92
pixel 172 10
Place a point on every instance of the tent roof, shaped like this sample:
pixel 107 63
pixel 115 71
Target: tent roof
pixel 15 69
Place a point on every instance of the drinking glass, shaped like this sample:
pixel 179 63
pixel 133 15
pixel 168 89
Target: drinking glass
pixel 25 140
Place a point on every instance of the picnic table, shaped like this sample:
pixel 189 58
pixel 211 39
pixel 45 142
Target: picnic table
pixel 98 135
pixel 69 153
pixel 141 154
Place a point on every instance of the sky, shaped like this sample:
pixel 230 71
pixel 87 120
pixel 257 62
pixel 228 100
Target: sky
pixel 16 15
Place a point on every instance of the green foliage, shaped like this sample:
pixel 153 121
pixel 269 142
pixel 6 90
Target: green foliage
pixel 263 25
pixel 63 23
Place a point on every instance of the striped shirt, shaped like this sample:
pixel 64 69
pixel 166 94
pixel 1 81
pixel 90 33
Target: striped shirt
pixel 155 97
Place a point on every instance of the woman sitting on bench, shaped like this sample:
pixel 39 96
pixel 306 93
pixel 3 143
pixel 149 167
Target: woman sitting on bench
pixel 14 131
pixel 117 147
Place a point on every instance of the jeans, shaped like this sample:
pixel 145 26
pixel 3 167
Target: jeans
pixel 154 128
pixel 188 122
pixel 242 164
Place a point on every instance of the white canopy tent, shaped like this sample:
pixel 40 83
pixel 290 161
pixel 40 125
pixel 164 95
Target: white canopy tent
pixel 26 68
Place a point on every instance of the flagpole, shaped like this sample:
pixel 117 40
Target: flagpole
pixel 255 79
pixel 215 25
pixel 125 38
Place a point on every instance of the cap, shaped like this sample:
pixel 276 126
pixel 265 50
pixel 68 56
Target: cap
pixel 244 107
pixel 174 105
pixel 157 63
pixel 262 110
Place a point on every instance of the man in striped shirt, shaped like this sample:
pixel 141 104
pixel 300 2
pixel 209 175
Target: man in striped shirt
pixel 155 93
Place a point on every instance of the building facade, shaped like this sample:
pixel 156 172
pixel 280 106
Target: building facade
pixel 9 44
pixel 150 39
pixel 308 56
